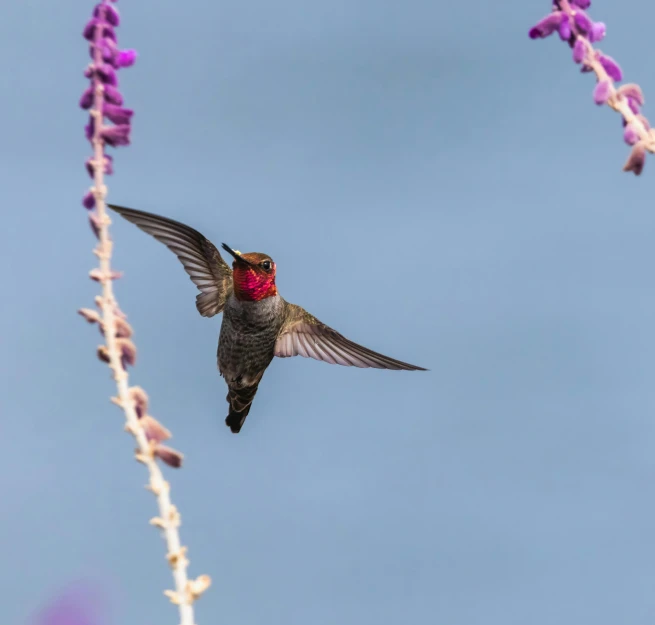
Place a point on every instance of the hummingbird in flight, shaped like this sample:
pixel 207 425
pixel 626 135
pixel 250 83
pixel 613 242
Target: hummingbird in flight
pixel 258 324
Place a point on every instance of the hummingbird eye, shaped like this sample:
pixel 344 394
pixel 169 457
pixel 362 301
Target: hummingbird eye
pixel 266 265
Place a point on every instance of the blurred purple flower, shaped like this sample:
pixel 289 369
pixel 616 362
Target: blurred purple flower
pixel 580 32
pixel 80 605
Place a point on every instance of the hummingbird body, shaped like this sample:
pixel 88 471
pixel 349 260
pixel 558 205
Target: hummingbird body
pixel 246 347
pixel 258 324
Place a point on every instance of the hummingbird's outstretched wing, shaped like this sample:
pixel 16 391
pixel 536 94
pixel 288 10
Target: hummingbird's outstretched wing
pixel 201 260
pixel 304 335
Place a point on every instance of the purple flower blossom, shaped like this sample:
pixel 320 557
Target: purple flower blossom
pixel 79 605
pixel 547 26
pixel 117 114
pixel 565 28
pixel 102 95
pixel 113 95
pixel 86 101
pixel 580 32
pixel 107 13
pixel 578 51
pixel 116 135
pixel 582 21
pixel 89 200
pixel 602 91
pixel 597 32
pixel 610 66
pixel 126 58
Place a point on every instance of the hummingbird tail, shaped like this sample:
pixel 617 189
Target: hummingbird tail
pixel 240 400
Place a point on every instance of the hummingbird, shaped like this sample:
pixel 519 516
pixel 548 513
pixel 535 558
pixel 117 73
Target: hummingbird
pixel 258 324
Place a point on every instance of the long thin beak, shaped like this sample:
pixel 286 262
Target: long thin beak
pixel 236 256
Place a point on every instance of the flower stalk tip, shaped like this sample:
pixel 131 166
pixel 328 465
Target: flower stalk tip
pixel 577 28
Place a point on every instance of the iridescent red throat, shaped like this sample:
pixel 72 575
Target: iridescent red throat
pixel 252 284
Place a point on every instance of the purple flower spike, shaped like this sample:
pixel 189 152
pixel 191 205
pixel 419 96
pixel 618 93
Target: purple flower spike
pixel 89 200
pixel 611 67
pixel 86 101
pixel 597 32
pixel 580 32
pixel 102 96
pixel 116 135
pixel 117 114
pixel 579 50
pixel 602 91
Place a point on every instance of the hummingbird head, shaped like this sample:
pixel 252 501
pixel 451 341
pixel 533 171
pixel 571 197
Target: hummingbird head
pixel 253 275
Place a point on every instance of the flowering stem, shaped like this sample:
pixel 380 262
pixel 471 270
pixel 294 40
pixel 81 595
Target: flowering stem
pixel 577 29
pixel 146 431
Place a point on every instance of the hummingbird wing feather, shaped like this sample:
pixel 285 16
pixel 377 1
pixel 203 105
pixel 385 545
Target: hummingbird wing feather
pixel 199 256
pixel 304 335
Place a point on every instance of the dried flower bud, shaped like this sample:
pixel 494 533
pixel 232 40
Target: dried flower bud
pixel 89 314
pixel 197 586
pixel 100 276
pixel 171 457
pixel 636 160
pixel 631 90
pixel 94 223
pixel 103 353
pixel 123 328
pixel 128 352
pixel 176 557
pixel 174 597
pixel 140 399
pixel 154 430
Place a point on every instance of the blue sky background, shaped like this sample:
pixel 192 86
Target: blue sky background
pixel 431 183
